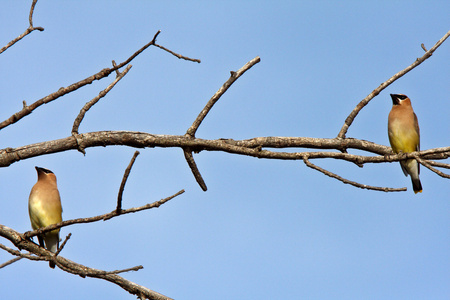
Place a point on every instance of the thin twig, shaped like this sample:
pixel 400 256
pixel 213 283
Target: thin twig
pixel 65 90
pixel 152 42
pixel 20 254
pixel 346 181
pixel 178 55
pixel 427 165
pixel 234 76
pixel 30 29
pixel 11 261
pixel 115 66
pixel 88 105
pixel 103 217
pixel 136 268
pixel 438 164
pixel 63 244
pixel 385 84
pixel 191 162
pixel 30 16
pixel 124 181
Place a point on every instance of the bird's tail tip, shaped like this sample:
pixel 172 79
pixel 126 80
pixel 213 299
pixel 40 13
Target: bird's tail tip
pixel 417 186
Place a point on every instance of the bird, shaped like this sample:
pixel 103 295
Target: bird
pixel 44 208
pixel 404 136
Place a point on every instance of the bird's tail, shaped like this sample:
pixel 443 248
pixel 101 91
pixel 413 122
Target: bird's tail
pixel 52 244
pixel 417 186
pixel 411 167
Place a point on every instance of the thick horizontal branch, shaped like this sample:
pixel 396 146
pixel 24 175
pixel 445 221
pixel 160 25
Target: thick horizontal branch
pixel 250 147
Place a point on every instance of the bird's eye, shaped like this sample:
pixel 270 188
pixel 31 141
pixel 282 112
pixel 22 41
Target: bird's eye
pixel 402 97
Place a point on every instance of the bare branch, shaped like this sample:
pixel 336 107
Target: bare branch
pixel 53 96
pixel 63 244
pixel 250 147
pixel 30 17
pixel 191 162
pixel 438 164
pixel 428 165
pixel 26 110
pixel 346 181
pixel 124 180
pixel 64 264
pixel 423 47
pixel 115 66
pixel 234 76
pixel 18 253
pixel 178 55
pixel 385 84
pixel 88 105
pixel 152 42
pixel 30 29
pixel 136 268
pixel 9 262
pixel 103 217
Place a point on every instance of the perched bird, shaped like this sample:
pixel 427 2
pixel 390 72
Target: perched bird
pixel 44 208
pixel 404 136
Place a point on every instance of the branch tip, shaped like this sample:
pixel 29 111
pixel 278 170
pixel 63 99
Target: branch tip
pixel 124 180
pixel 195 171
pixel 233 77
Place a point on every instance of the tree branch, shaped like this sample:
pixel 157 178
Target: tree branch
pixel 88 105
pixel 385 84
pixel 233 77
pixel 195 171
pixel 124 181
pixel 103 217
pixel 428 165
pixel 29 30
pixel 26 110
pixel 178 55
pixel 21 242
pixel 346 181
pixel 11 261
pixel 250 147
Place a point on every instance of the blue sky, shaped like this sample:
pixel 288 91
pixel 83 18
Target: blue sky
pixel 264 229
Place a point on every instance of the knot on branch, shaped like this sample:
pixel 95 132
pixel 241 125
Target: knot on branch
pixel 79 142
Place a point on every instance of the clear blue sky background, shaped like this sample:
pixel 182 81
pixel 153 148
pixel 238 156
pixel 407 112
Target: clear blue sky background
pixel 264 229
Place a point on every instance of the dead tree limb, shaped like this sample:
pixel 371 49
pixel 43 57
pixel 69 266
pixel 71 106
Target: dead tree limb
pixel 385 84
pixel 29 30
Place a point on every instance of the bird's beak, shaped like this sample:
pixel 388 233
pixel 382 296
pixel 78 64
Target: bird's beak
pixel 395 99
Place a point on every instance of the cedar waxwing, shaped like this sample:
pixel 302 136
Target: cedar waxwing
pixel 44 207
pixel 404 136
